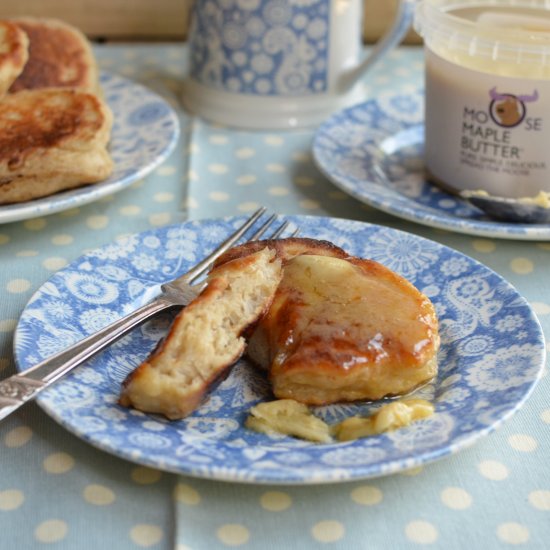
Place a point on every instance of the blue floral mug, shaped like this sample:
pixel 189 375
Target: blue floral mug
pixel 272 64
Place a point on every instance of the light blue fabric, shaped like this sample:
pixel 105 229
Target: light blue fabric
pixel 59 492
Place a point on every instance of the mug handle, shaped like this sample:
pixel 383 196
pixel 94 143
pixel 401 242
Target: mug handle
pixel 401 25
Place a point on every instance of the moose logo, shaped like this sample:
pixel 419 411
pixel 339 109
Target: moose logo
pixel 509 110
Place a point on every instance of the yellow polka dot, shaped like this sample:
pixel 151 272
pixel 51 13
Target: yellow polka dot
pixel 163 197
pixel 456 498
pixel 278 191
pixel 62 240
pixel 301 156
pixel 304 181
pixel 541 308
pixel 245 153
pixel 27 253
pixel 4 239
pixel 7 325
pixel 52 530
pixel 523 443
pixel 484 245
pixel 413 471
pixel 367 495
pixel 97 222
pixel 246 179
pixel 18 437
pixel 248 206
pixel 421 532
pixel 275 501
pixel 513 533
pixel 219 196
pixel 275 168
pixel 233 534
pixel 70 213
pixel 162 218
pixel 137 184
pixel 545 416
pixel 327 531
pixel 130 210
pixel 11 499
pixel 109 198
pixel 54 264
pixel 274 140
pixel 58 463
pixel 309 204
pixel 521 266
pixel 145 476
pixel 540 500
pixel 36 224
pixel 491 469
pixel 16 286
pixel 146 535
pixel 186 494
pixel 98 495
pixel 167 170
pixel 218 168
pixel 218 140
pixel 191 202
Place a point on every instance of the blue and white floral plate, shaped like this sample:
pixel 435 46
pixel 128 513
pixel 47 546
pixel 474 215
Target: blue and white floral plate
pixel 491 357
pixel 374 152
pixel 145 131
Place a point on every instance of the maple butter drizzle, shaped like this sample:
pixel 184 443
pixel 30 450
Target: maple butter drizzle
pixel 332 315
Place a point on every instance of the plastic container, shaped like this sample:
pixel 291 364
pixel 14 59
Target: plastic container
pixel 487 110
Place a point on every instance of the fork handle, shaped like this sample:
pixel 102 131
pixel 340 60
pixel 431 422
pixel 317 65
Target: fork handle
pixel 20 388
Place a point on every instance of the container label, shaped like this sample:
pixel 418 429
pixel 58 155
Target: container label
pixel 485 131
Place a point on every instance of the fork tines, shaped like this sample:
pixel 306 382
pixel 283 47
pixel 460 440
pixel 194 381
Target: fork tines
pixel 204 265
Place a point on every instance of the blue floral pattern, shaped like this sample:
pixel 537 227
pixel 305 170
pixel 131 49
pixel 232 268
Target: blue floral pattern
pixel 261 47
pixel 492 355
pixel 374 152
pixel 145 131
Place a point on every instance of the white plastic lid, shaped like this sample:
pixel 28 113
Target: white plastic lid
pixel 515 31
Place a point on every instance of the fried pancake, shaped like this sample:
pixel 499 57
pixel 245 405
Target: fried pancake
pixel 205 339
pixel 343 329
pixel 346 330
pixel 51 140
pixel 59 56
pixel 14 53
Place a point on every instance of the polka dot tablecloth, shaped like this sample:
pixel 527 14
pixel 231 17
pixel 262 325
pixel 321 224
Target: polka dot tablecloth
pixel 58 492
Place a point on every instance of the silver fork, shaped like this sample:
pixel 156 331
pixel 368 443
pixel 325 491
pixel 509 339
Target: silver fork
pixel 20 388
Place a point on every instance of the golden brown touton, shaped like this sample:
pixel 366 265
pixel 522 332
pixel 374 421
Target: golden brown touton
pixel 51 140
pixel 342 328
pixel 206 338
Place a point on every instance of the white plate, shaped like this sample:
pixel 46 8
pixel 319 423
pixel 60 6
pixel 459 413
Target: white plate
pixel 145 131
pixel 491 356
pixel 374 152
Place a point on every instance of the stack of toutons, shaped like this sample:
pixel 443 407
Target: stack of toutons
pixel 54 124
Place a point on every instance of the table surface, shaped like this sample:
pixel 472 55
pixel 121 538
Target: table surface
pixel 57 491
